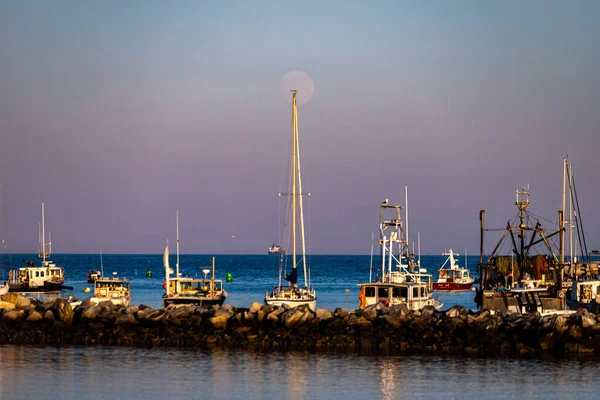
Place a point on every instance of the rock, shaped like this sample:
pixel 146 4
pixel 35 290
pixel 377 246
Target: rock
pixel 219 320
pixel 132 309
pixel 358 321
pixel 126 319
pixel 587 321
pixel 261 314
pixel 49 315
pixel 229 308
pixel 91 313
pixel 7 305
pixel 16 299
pixel 11 315
pixel 324 315
pixel 49 302
pixel 34 316
pixel 370 312
pixel 456 311
pixel 255 307
pixel 429 310
pixel 340 312
pixel 294 317
pixel 63 311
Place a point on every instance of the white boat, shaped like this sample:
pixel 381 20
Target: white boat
pixel 115 290
pixel 275 249
pixel 454 278
pixel 183 291
pixel 292 294
pixel 46 277
pixel 399 283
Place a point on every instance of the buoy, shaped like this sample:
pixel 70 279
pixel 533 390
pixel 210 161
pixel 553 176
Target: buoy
pixel 229 277
pixel 87 290
pixel 149 273
pixel 164 284
pixel 347 290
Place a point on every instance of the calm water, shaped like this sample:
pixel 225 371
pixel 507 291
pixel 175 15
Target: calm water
pixel 127 373
pixel 253 275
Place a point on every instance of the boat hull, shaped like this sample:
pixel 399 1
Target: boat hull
pixel 311 303
pixel 180 301
pixel 452 286
pixel 117 301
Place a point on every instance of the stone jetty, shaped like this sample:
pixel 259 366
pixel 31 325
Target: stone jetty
pixel 374 330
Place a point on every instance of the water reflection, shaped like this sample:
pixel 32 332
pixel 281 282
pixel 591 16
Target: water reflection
pixel 128 373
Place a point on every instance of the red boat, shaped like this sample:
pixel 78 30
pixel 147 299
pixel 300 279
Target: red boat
pixel 453 278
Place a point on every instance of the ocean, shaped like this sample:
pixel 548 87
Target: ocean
pixel 130 373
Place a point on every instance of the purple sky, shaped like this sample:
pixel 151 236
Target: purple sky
pixel 117 114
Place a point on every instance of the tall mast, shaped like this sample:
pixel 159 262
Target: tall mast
pixel 562 238
pixel 406 223
pixel 43 237
pixel 177 239
pixel 300 193
pixel 294 150
pixel 570 175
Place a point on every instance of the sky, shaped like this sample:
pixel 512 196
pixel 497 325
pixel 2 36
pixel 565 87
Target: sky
pixel 117 114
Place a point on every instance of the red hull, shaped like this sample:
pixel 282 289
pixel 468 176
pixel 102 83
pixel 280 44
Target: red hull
pixel 452 286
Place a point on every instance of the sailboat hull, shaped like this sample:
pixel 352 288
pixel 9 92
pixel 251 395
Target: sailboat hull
pixel 312 304
pixel 180 301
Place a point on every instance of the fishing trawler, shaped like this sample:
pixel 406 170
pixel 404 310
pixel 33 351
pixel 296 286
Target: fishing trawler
pixel 454 278
pixel 275 249
pixel 113 289
pixel 399 283
pixel 184 291
pixel 46 277
pixel 292 294
pixel 533 280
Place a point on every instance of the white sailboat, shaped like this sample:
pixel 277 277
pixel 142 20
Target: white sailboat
pixel 292 294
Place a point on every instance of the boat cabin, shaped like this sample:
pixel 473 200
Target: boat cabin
pixel 37 276
pixel 193 287
pixel 111 287
pixel 415 295
pixel 524 300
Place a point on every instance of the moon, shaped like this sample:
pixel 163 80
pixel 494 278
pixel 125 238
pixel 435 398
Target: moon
pixel 299 81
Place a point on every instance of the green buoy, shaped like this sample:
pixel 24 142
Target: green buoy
pixel 149 273
pixel 229 277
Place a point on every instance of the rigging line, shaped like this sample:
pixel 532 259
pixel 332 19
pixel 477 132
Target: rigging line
pixel 587 255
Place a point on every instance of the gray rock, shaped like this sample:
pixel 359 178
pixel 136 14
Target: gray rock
pixel 34 316
pixel 91 313
pixel 294 317
pixel 63 311
pixel 219 320
pixel 49 315
pixel 126 319
pixel 324 315
pixel 255 307
pixel 370 312
pixel 456 311
pixel 132 309
pixel 16 299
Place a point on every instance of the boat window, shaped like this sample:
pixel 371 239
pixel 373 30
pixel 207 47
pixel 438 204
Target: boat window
pixel 423 291
pixel 37 274
pixel 42 273
pixel 415 292
pixel 369 291
pixel 399 292
pixel 383 292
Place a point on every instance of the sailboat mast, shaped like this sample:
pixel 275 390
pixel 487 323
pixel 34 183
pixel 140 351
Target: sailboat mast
pixel 43 237
pixel 177 238
pixel 306 280
pixel 562 237
pixel 294 155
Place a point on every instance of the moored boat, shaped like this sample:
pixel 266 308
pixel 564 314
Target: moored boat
pixel 113 289
pixel 399 283
pixel 183 291
pixel 46 277
pixel 275 249
pixel 453 278
pixel 292 294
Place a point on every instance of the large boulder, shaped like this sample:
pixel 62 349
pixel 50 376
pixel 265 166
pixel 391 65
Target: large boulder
pixel 219 320
pixel 255 307
pixel 12 315
pixel 16 299
pixel 7 305
pixel 295 317
pixel 63 311
pixel 126 319
pixel 34 316
pixel 456 311
pixel 324 314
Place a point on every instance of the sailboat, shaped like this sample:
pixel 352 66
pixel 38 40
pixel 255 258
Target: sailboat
pixel 292 294
pixel 3 286
pixel 185 291
pixel 45 278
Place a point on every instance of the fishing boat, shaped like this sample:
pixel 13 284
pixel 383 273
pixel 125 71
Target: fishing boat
pixel 275 249
pixel 292 294
pixel 532 281
pixel 184 290
pixel 401 281
pixel 46 277
pixel 113 289
pixel 453 278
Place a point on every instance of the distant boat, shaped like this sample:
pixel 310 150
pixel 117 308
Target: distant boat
pixel 275 249
pixel 47 277
pixel 116 290
pixel 184 291
pixel 453 278
pixel 398 283
pixel 293 295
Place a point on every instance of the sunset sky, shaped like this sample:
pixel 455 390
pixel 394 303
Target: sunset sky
pixel 115 114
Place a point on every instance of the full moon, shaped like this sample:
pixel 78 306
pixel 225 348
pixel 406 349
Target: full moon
pixel 299 81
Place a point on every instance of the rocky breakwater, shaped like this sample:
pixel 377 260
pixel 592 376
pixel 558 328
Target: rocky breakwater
pixel 377 329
